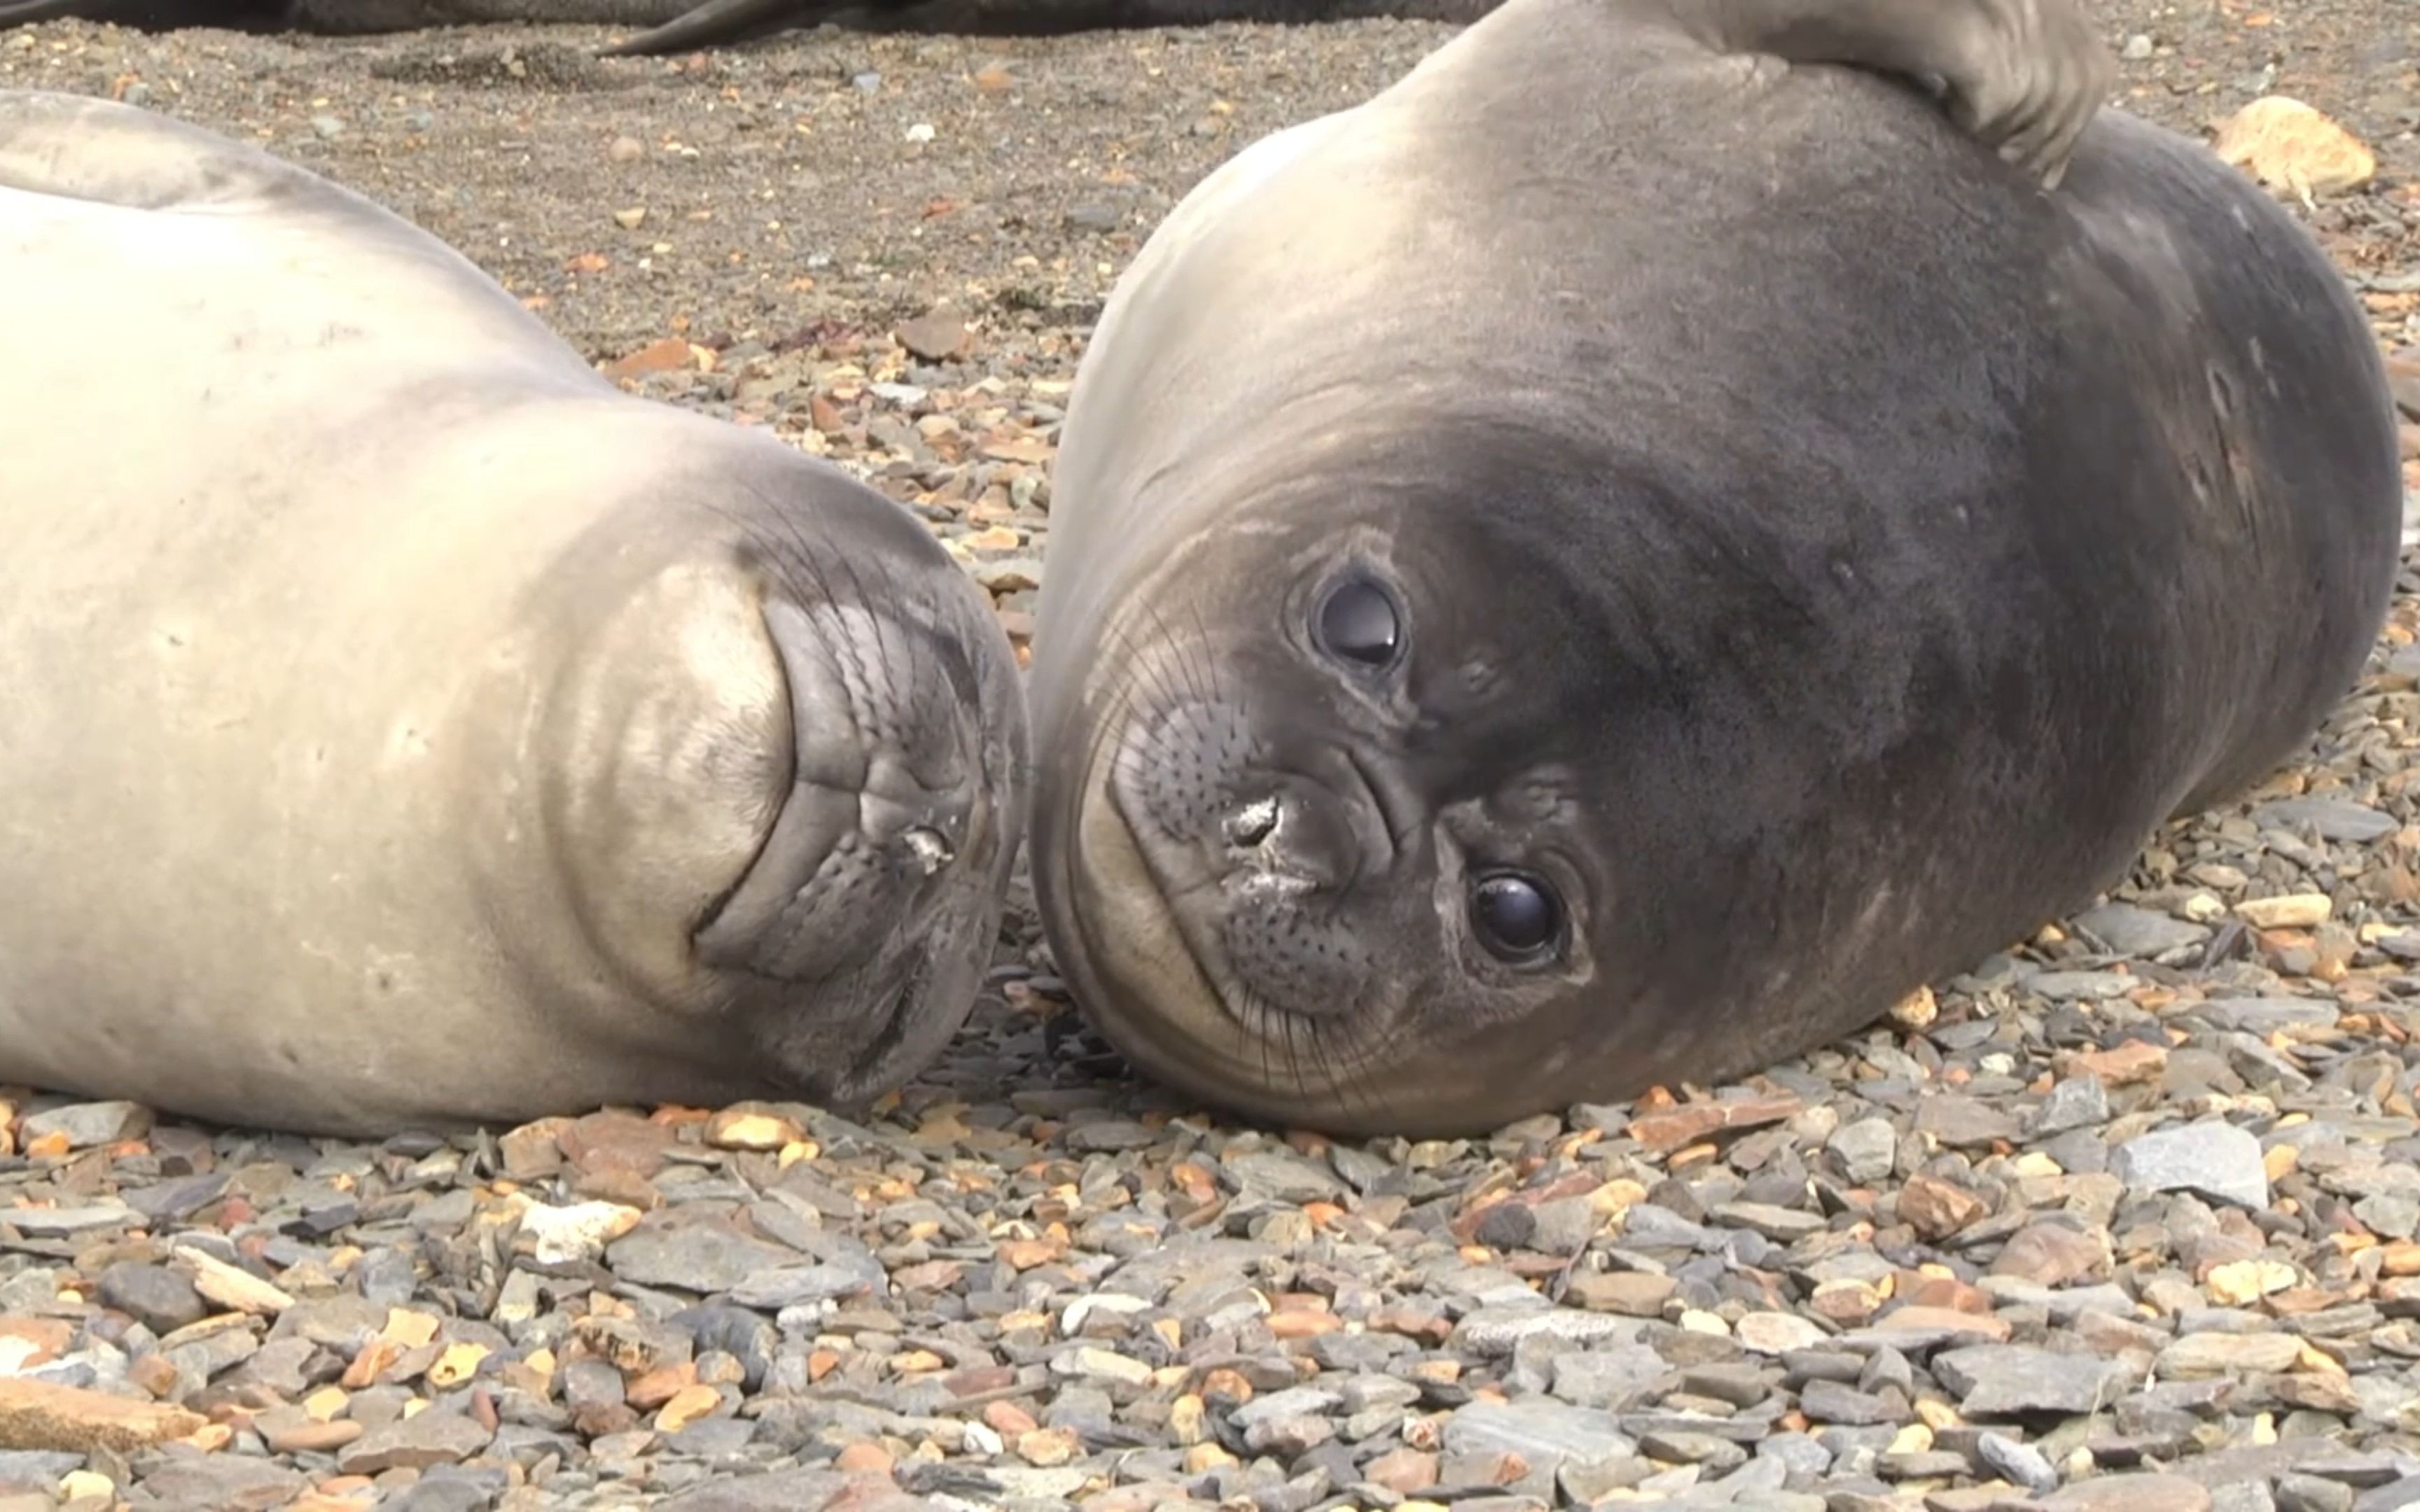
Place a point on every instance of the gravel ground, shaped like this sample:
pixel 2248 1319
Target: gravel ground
pixel 2129 1218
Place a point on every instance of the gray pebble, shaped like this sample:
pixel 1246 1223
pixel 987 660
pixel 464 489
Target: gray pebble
pixel 2016 1379
pixel 2212 1158
pixel 2331 819
pixel 2312 1493
pixel 2020 1463
pixel 87 1124
pixel 2138 931
pixel 1865 1149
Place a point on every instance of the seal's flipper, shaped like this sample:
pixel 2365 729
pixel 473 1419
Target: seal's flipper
pixel 718 22
pixel 2026 76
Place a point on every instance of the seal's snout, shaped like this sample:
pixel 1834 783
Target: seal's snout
pixel 884 796
pixel 1293 830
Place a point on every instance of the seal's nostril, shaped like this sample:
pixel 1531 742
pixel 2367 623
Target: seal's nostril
pixel 931 849
pixel 1253 823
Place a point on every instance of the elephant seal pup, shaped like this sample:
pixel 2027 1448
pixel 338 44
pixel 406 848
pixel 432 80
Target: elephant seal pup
pixel 408 727
pixel 1616 560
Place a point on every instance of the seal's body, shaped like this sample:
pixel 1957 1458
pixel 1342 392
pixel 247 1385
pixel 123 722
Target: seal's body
pixel 1620 558
pixel 405 726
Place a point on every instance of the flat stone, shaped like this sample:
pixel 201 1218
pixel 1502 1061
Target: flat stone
pixel 2088 986
pixel 40 1414
pixel 1496 1331
pixel 1630 1293
pixel 1284 1176
pixel 2218 1354
pixel 233 1482
pixel 2391 1497
pixel 2129 1493
pixel 1608 1379
pixel 52 1223
pixel 2212 1159
pixel 1866 1148
pixel 693 1253
pixel 434 1436
pixel 2264 1017
pixel 1830 1401
pixel 2138 931
pixel 152 1295
pixel 2015 1380
pixel 2331 819
pixel 1777 1332
pixel 2076 1103
pixel 1543 1433
pixel 780 1490
pixel 86 1124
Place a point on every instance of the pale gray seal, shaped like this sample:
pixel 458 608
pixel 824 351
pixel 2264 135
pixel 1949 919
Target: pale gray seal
pixel 1616 560
pixel 406 726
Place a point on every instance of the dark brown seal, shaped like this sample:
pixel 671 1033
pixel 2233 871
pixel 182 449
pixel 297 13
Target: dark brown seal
pixel 1621 557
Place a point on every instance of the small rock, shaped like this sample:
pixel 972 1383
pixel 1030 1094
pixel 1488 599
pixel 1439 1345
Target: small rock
pixel 1775 1333
pixel 2331 819
pixel 40 1414
pixel 2075 1102
pixel 84 1125
pixel 935 336
pixel 561 1236
pixel 2138 931
pixel 2015 1380
pixel 1632 1293
pixel 2212 1159
pixel 1936 1209
pixel 2289 147
pixel 2129 1493
pixel 2020 1463
pixel 1865 1149
pixel 2219 1354
pixel 2312 1493
pixel 433 1437
pixel 2299 910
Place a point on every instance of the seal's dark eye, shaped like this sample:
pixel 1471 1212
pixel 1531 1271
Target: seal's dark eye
pixel 1357 622
pixel 1517 916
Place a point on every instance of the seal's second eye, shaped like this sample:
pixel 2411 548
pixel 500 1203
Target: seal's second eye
pixel 1357 622
pixel 1517 916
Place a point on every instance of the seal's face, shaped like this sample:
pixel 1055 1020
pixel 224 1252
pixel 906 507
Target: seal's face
pixel 878 879
pixel 1337 848
pixel 787 785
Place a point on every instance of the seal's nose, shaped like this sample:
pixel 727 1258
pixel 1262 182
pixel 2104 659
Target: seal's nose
pixel 885 793
pixel 928 824
pixel 1295 829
